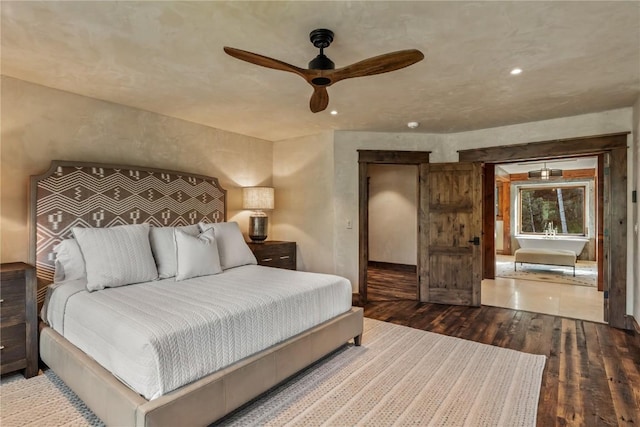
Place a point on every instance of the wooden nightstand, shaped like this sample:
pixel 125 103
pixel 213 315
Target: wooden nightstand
pixel 18 319
pixel 274 253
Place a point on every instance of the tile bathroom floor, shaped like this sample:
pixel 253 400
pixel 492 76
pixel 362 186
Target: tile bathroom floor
pixel 578 302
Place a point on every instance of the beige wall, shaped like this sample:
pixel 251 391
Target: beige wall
pixel 40 124
pixel 393 214
pixel 303 181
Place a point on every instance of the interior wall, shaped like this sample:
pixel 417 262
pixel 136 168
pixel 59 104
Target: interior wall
pixel 303 182
pixel 41 124
pixel 393 214
pixel 444 148
pixel 499 235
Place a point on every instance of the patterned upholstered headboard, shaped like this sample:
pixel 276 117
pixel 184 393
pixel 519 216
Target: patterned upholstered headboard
pixel 74 194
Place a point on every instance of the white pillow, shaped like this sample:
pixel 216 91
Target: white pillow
pixel 116 256
pixel 69 262
pixel 197 255
pixel 163 246
pixel 232 248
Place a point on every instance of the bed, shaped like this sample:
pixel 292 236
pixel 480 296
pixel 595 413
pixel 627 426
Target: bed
pixel 269 340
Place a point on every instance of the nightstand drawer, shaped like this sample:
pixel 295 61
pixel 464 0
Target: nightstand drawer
pixel 13 347
pixel 275 254
pixel 280 261
pixel 12 301
pixel 18 319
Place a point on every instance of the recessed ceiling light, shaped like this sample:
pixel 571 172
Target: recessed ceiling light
pixel 334 113
pixel 413 125
pixel 516 71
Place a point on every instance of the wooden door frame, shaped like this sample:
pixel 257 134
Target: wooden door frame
pixel 488 220
pixel 384 157
pixel 614 146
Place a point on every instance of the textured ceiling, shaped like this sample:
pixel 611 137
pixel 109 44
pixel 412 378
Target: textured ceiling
pixel 167 57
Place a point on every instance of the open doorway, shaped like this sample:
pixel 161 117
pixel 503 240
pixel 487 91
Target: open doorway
pixel 393 232
pixel 366 160
pixel 613 163
pixel 449 246
pixel 547 216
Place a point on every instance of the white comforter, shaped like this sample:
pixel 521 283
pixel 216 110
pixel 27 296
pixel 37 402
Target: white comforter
pixel 160 335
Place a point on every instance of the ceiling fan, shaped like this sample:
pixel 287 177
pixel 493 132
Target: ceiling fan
pixel 322 72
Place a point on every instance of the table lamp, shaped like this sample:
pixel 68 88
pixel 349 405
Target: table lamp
pixel 258 199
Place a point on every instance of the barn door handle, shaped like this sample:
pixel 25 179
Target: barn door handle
pixel 475 241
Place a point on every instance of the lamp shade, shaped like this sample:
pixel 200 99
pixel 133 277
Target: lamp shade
pixel 257 198
pixel 545 173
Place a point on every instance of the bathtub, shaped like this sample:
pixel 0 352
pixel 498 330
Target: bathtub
pixel 575 244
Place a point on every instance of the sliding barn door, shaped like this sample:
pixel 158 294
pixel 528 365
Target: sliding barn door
pixel 451 223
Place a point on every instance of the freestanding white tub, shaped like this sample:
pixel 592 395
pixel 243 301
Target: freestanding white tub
pixel 575 244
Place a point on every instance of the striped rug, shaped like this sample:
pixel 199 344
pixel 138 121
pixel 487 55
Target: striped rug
pixel 400 376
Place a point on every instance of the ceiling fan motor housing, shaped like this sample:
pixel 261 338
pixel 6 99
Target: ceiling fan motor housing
pixel 321 38
pixel 321 62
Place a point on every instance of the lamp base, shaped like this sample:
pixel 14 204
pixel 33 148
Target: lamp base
pixel 258 228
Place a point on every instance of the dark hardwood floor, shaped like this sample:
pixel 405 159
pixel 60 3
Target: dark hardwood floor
pixel 392 282
pixel 592 374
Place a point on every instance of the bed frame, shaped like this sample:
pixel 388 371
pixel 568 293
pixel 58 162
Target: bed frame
pixel 99 195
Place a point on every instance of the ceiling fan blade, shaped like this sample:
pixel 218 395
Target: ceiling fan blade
pixel 378 65
pixel 264 61
pixel 319 99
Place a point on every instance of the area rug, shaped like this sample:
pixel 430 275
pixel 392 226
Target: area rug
pixel 42 401
pixel 586 272
pixel 400 376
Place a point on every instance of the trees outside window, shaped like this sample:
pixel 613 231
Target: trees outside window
pixel 563 207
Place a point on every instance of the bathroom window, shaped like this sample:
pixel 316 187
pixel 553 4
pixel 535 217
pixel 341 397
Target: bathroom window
pixel 561 209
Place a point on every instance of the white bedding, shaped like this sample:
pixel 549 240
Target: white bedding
pixel 160 335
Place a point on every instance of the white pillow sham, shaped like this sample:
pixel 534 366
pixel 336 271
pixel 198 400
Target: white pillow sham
pixel 163 246
pixel 69 264
pixel 116 256
pixel 196 255
pixel 232 248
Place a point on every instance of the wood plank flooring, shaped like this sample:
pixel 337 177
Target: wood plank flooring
pixel 592 374
pixel 391 282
